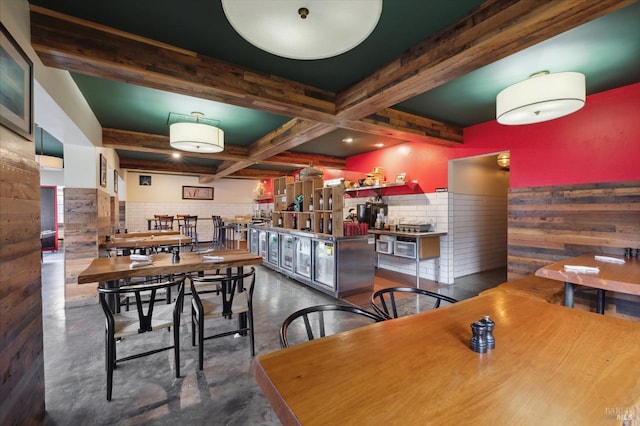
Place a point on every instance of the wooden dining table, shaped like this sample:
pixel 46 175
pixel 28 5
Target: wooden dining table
pixel 551 366
pixel 117 268
pixel 620 277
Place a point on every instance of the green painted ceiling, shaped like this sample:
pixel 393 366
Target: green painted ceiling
pixel 606 50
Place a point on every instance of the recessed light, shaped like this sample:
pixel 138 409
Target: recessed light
pixel 176 155
pixel 379 145
pixel 347 140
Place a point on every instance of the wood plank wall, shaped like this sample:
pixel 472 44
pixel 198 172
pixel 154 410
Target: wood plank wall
pixel 551 223
pixel 87 218
pixel 21 342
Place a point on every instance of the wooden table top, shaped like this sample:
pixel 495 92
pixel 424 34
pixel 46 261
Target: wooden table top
pixel 152 240
pixel 144 234
pixel 624 278
pixel 115 268
pixel 551 365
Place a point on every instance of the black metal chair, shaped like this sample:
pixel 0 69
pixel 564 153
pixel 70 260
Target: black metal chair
pixel 222 233
pixel 221 296
pixel 343 318
pixel 149 316
pixel 393 302
pixel 189 227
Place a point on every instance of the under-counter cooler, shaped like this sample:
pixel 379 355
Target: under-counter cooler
pixel 338 266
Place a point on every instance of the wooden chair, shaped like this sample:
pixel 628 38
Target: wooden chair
pixel 400 301
pixel 342 318
pixel 164 222
pixel 221 296
pixel 149 316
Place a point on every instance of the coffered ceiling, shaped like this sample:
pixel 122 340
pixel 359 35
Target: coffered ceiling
pixel 428 69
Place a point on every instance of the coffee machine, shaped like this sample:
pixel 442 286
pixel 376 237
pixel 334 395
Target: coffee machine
pixel 367 213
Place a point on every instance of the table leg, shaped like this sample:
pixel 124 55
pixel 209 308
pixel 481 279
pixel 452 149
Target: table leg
pixel 600 306
pixel 568 294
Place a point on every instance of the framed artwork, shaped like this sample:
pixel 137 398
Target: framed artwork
pixel 145 180
pixel 115 181
pixel 401 177
pixel 197 193
pixel 16 90
pixel 103 171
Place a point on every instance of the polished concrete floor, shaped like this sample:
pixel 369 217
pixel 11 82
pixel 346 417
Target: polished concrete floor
pixel 145 390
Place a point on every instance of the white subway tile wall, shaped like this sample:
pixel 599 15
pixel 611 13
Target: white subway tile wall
pixel 479 233
pixel 417 208
pixel 138 213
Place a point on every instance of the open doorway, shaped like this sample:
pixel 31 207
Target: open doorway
pixel 478 209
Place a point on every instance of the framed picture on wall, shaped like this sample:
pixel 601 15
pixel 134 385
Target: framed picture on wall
pixel 197 193
pixel 103 171
pixel 16 90
pixel 145 180
pixel 401 177
pixel 115 181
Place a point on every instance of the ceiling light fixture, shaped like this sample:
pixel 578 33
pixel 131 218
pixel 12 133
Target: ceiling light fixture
pixel 196 136
pixel 303 29
pixel 310 172
pixel 347 140
pixel 542 97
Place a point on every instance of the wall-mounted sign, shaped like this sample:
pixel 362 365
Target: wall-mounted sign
pixel 197 193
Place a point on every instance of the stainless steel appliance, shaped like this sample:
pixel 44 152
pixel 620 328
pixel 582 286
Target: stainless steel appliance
pixel 367 213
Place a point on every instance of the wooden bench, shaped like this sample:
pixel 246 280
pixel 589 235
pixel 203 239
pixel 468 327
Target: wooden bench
pixel 551 291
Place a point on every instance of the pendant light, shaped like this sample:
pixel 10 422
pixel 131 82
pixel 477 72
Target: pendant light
pixel 196 136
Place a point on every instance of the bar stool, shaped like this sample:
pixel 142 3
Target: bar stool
pixel 221 233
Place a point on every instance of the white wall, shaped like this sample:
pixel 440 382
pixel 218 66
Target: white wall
pixel 231 197
pixel 478 196
pixel 417 208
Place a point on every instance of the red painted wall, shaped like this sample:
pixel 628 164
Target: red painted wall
pixel 599 143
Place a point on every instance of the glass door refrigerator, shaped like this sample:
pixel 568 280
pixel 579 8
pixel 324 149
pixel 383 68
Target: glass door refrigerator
pixel 262 244
pixel 286 252
pixel 253 241
pixel 302 264
pixel 325 263
pixel 273 248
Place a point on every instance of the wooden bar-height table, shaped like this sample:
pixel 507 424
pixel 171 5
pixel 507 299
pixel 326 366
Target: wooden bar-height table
pixel 156 239
pixel 551 366
pixel 117 268
pixel 623 278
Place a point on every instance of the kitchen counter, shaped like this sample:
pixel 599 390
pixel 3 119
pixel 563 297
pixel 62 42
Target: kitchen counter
pixel 410 245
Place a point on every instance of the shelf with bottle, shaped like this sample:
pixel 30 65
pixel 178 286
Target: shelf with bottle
pixel 309 206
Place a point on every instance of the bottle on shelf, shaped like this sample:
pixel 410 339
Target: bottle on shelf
pixel 321 202
pixel 330 223
pixel 279 221
pixel 330 201
pixel 310 204
pixel 321 224
pixel 294 222
pixel 308 225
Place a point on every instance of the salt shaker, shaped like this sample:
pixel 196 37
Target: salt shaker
pixel 491 341
pixel 479 339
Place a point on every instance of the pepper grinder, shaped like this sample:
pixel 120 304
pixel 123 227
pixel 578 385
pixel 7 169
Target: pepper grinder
pixel 176 256
pixel 479 339
pixel 491 341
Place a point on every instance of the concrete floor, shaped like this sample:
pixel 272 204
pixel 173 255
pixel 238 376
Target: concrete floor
pixel 145 390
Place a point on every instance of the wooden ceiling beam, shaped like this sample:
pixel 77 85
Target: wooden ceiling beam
pixel 159 144
pixel 160 166
pixel 81 46
pixel 495 30
pixel 74 44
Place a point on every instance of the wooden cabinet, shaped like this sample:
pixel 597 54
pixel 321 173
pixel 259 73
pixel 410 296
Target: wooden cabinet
pixel 309 206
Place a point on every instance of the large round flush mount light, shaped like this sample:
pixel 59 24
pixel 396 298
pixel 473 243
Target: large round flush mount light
pixel 196 137
pixel 540 98
pixel 304 29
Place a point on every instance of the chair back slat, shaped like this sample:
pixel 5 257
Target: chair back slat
pixel 385 302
